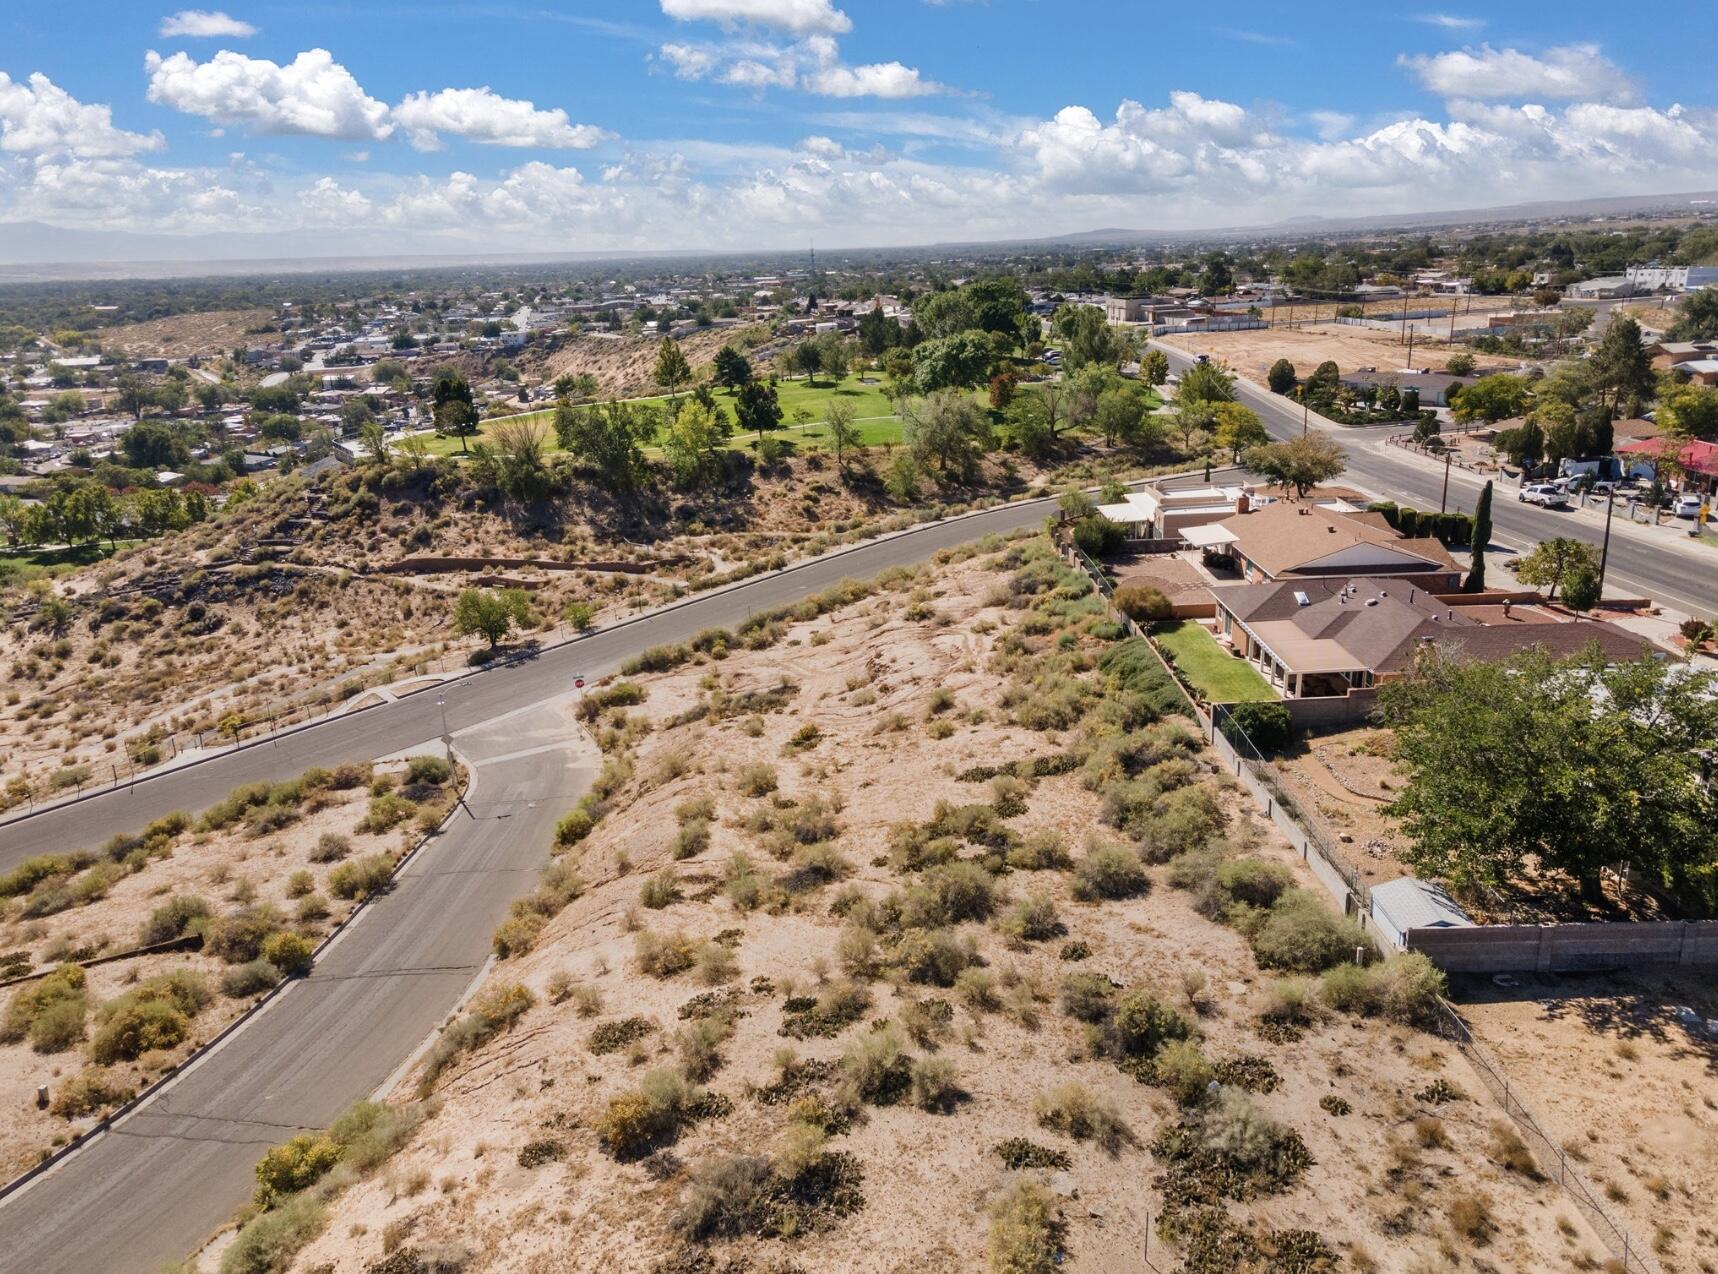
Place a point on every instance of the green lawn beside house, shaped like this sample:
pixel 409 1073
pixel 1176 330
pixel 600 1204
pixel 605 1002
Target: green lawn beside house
pixel 1217 675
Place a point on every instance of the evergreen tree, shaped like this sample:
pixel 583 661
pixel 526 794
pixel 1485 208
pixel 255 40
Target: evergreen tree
pixel 1475 582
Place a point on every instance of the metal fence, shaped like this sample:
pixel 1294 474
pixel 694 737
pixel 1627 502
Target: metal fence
pixel 1552 1158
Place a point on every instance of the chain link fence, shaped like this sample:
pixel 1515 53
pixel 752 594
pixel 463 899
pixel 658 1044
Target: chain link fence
pixel 1553 1160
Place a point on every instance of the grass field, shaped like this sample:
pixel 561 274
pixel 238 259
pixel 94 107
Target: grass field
pixel 57 561
pixel 878 423
pixel 1214 672
pixel 873 411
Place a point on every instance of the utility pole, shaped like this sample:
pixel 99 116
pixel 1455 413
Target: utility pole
pixel 1444 502
pixel 1605 549
pixel 1410 349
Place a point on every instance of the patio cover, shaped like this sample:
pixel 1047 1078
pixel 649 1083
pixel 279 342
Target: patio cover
pixel 1208 536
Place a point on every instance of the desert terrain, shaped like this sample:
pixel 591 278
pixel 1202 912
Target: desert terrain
pixel 623 364
pixel 213 334
pixel 1251 353
pixel 913 930
pixel 181 917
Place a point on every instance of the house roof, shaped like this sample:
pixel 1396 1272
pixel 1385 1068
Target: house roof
pixel 1696 457
pixel 1377 625
pixel 1287 537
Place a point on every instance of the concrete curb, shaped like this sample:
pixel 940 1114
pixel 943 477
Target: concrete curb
pixel 107 1122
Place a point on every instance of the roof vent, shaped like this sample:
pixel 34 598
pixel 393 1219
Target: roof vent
pixel 1301 599
pixel 1383 593
pixel 1371 601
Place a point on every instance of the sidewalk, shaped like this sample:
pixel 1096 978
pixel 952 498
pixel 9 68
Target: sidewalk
pixel 1671 533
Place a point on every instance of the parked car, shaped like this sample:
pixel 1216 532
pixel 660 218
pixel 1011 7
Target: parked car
pixel 1547 495
pixel 1687 506
pixel 1603 488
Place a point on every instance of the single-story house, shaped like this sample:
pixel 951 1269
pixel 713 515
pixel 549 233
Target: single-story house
pixel 1698 461
pixel 1286 540
pixel 1318 638
pixel 1407 903
pixel 1702 371
pixel 1668 354
pixel 1434 387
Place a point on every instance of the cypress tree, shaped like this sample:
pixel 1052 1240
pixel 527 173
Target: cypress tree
pixel 1481 537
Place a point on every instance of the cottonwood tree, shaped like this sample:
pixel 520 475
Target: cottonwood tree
pixel 1154 367
pixel 947 430
pixel 1301 463
pixel 1572 765
pixel 1206 383
pixel 490 613
pixel 609 436
pixel 693 443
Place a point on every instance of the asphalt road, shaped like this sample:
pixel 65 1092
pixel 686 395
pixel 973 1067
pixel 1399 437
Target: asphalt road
pixel 167 1176
pixel 1636 568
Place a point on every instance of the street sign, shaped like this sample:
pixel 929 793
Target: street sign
pixel 578 683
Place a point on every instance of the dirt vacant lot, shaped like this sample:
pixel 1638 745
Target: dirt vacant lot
pixel 1251 354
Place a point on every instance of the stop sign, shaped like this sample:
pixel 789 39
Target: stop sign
pixel 579 683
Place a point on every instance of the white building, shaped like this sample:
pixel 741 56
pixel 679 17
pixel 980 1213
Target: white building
pixel 1671 278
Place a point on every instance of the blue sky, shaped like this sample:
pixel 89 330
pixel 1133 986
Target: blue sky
pixel 763 123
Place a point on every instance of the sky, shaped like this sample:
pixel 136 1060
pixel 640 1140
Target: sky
pixel 608 125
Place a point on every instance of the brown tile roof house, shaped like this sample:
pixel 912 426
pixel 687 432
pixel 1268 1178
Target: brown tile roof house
pixel 1315 638
pixel 1287 539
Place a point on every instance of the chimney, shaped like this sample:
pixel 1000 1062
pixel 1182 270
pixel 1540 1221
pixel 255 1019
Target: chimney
pixel 1243 504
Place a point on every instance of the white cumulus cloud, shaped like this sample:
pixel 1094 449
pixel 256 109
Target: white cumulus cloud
pixel 482 116
pixel 1570 72
pixel 39 118
pixel 313 94
pixel 205 24
pixel 880 79
pixel 801 17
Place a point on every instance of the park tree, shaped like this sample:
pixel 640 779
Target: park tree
pixel 806 357
pixel 1154 367
pixel 608 436
pixel 945 430
pixel 1475 581
pixel 1086 336
pixel 877 332
pixel 1281 378
pixel 844 437
pixel 757 409
pixel 693 443
pixel 1555 560
pixel 1207 382
pixel 1301 463
pixel 1569 765
pixel 1237 429
pixel 671 370
pixel 1027 424
pixel 1492 398
pixel 1119 412
pixel 732 368
pixel 490 613
pixel 960 361
pixel 454 406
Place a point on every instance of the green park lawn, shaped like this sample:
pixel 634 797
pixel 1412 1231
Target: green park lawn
pixel 1214 672
pixel 874 413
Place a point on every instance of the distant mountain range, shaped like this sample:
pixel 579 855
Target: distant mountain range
pixel 31 251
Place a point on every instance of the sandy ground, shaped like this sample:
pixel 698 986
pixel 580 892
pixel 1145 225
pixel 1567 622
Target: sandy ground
pixel 231 869
pixel 623 364
pixel 1251 353
pixel 1343 779
pixel 216 333
pixel 1630 1090
pixel 927 1178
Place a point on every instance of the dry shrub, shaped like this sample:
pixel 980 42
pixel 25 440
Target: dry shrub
pixel 1075 1110
pixel 1026 1230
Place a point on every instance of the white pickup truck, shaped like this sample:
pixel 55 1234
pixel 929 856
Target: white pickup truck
pixel 1547 495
